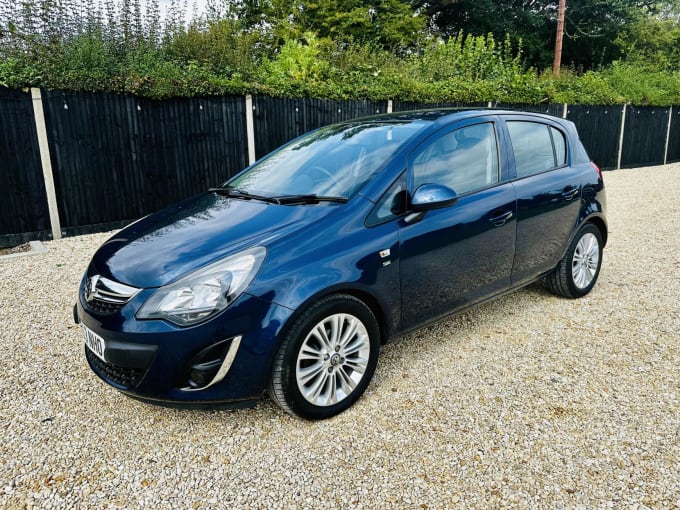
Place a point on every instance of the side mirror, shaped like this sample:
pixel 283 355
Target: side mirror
pixel 432 196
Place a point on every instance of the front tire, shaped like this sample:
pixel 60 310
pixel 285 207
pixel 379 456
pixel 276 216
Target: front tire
pixel 577 272
pixel 327 359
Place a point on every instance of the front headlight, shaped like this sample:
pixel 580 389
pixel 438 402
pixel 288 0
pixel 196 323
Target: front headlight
pixel 203 293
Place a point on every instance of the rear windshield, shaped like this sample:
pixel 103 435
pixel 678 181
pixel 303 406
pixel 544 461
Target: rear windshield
pixel 332 161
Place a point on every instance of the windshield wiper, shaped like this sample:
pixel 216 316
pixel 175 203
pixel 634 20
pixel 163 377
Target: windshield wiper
pixel 281 199
pixel 308 199
pixel 244 195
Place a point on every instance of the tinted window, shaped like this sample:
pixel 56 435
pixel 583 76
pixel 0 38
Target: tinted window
pixel 391 205
pixel 537 147
pixel 464 160
pixel 560 146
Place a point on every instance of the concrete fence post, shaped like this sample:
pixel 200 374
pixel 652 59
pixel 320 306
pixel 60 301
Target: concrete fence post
pixel 46 162
pixel 389 106
pixel 623 127
pixel 250 130
pixel 668 135
pixel 565 110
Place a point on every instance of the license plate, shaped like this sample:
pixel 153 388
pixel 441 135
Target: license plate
pixel 94 342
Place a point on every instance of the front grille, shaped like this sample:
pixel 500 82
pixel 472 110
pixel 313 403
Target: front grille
pixel 104 296
pixel 100 306
pixel 126 378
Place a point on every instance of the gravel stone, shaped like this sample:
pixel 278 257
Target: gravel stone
pixel 529 401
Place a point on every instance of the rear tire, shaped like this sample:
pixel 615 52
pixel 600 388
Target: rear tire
pixel 327 358
pixel 577 272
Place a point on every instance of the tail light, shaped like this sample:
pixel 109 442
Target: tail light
pixel 597 169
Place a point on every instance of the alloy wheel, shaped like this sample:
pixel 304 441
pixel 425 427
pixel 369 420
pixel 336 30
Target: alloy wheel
pixel 332 359
pixel 585 260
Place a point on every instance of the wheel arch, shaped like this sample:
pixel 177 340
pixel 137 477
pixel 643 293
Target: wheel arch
pixel 370 301
pixel 601 226
pixel 381 314
pixel 310 395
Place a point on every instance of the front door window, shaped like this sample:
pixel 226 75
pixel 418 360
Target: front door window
pixel 464 160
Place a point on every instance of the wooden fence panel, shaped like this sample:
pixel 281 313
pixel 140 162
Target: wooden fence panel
pixel 279 120
pixel 406 106
pixel 117 158
pixel 674 138
pixel 644 136
pixel 23 202
pixel 599 128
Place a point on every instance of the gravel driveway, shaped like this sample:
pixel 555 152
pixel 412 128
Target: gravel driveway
pixel 527 401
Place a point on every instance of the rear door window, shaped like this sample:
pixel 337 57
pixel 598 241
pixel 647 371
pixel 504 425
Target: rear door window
pixel 537 147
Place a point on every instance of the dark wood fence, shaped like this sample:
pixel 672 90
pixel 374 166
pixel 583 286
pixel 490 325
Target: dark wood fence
pixel 278 120
pixel 23 202
pixel 673 153
pixel 599 128
pixel 644 136
pixel 116 158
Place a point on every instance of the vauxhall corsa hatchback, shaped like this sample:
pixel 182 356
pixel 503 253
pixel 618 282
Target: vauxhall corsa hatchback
pixel 289 276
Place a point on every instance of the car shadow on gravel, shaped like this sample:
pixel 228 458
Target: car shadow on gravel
pixel 416 349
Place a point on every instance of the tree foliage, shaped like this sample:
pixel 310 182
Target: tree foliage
pixel 390 23
pixel 653 41
pixel 391 49
pixel 591 27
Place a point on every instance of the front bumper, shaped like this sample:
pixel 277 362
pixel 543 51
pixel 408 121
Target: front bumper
pixel 153 360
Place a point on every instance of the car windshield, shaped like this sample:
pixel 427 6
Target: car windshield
pixel 334 161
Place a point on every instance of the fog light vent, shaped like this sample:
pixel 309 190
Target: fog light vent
pixel 211 365
pixel 202 373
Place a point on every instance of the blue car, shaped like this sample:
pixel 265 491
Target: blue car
pixel 290 276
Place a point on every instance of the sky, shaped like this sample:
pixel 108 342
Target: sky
pixel 200 4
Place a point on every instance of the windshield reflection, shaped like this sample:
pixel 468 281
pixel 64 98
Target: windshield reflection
pixel 332 161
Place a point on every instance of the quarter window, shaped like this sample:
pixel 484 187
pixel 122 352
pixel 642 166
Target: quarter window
pixel 537 147
pixel 560 146
pixel 464 160
pixel 391 205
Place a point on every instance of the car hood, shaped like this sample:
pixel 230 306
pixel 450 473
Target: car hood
pixel 171 243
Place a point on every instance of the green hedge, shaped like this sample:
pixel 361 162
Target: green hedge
pixel 218 59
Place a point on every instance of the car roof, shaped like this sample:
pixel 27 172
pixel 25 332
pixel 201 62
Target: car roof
pixel 446 115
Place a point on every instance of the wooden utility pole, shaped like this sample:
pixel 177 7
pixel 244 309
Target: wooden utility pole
pixel 558 38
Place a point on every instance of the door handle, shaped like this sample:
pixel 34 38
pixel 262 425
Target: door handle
pixel 569 194
pixel 501 219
